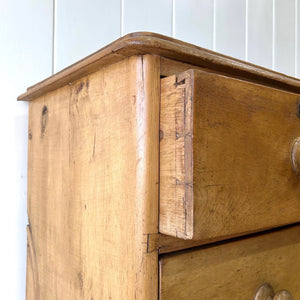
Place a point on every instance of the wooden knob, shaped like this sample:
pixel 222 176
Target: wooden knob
pixel 295 156
pixel 264 292
pixel 283 295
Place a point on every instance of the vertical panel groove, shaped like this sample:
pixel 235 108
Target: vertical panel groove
pixel 144 15
pixel 193 22
pixel 246 31
pixel 259 19
pixel 83 29
pixel 214 25
pixel 230 27
pixel 122 18
pixel 273 36
pixel 53 36
pixel 173 18
pixel 296 38
pixel 285 37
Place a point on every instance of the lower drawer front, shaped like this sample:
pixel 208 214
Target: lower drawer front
pixel 234 270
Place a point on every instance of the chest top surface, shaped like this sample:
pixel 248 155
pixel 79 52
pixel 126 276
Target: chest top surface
pixel 140 43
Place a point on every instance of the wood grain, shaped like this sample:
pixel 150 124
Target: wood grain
pixel 241 179
pixel 149 43
pixel 93 186
pixel 32 282
pixel 176 157
pixel 233 270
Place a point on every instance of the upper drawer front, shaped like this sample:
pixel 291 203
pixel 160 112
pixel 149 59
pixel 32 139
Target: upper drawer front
pixel 225 156
pixel 234 270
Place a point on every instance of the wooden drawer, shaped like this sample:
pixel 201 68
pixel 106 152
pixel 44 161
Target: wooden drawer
pixel 225 156
pixel 234 270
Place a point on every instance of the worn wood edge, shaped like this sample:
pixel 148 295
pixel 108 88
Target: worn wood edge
pixel 232 239
pixel 178 132
pixel 150 43
pixel 32 282
pixel 171 141
pixel 148 166
pixel 188 77
pixel 169 244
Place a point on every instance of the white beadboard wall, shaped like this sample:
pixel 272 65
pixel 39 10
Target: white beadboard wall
pixel 39 38
pixel 264 32
pixel 26 34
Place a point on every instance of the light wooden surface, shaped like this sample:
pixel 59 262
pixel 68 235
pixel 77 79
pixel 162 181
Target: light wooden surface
pixel 176 213
pixel 93 186
pixel 233 270
pixel 150 43
pixel 32 281
pixel 240 179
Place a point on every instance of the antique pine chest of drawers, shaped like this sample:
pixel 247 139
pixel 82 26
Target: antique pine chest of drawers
pixel 161 170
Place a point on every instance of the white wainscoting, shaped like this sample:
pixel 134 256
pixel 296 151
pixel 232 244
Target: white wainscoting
pixel 26 36
pixel 264 32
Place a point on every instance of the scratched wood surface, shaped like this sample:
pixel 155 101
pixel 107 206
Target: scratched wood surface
pixel 176 164
pixel 225 152
pixel 233 270
pixel 93 186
